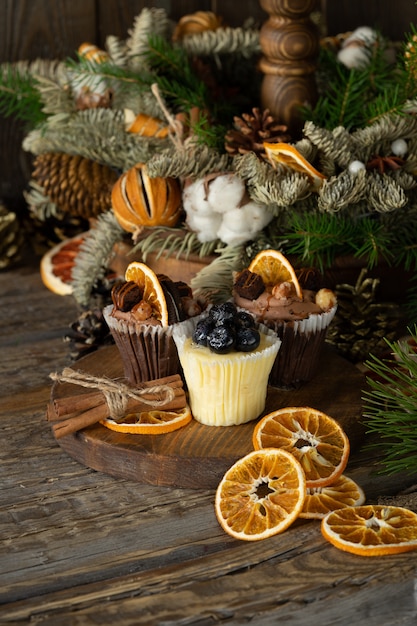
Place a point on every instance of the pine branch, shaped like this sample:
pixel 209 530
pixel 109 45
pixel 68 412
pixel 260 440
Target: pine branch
pixel 215 281
pixel 19 96
pixel 93 258
pixel 172 242
pixel 390 409
pixel 174 75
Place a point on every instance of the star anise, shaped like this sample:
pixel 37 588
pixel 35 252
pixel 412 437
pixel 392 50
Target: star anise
pixel 384 163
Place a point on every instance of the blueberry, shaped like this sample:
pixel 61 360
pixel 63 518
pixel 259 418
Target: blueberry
pixel 221 339
pixel 247 339
pixel 245 320
pixel 202 329
pixel 223 313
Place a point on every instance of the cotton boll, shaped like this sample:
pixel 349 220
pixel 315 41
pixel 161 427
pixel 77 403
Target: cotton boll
pixel 237 221
pixel 205 226
pixel 257 216
pixel 232 238
pixel 226 192
pixel 355 51
pixel 194 199
pixel 234 229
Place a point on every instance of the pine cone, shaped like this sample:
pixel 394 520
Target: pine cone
pixel 78 186
pixel 88 333
pixel 361 323
pixel 251 130
pixel 11 238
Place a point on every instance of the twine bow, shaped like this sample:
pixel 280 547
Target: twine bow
pixel 115 392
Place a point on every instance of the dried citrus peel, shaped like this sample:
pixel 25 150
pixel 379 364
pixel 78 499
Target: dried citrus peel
pixel 261 495
pixel 371 530
pixel 152 422
pixel 288 155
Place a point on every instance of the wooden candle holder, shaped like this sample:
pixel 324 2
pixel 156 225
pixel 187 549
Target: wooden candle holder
pixel 290 43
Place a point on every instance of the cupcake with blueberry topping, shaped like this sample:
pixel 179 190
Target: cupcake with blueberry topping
pixel 226 359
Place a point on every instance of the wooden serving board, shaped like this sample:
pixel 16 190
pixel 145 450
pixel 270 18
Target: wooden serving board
pixel 197 456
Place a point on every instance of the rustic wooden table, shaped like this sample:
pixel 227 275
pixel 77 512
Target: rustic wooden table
pixel 83 547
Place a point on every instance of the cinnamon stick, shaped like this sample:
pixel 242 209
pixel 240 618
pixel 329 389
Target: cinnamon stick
pixel 59 408
pixel 98 413
pixel 90 408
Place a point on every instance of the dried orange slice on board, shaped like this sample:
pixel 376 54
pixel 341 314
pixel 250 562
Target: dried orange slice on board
pixel 371 530
pixel 57 264
pixel 275 268
pixel 261 495
pixel 315 439
pixel 321 500
pixel 153 293
pixel 152 422
pixel 288 155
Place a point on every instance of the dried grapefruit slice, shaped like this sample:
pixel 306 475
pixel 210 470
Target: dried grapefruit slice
pixel 152 422
pixel 57 264
pixel 153 293
pixel 289 155
pixel 321 500
pixel 275 268
pixel 315 439
pixel 261 495
pixel 371 530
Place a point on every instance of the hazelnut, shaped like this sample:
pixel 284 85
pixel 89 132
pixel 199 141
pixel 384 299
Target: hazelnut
pixel 326 299
pixel 283 290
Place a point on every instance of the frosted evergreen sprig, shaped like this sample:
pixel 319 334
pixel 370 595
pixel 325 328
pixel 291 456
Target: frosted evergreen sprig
pixel 223 41
pixel 94 256
pixel 172 242
pixel 215 281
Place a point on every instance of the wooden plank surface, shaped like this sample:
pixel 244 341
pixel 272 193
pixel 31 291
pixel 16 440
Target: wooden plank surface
pixel 81 547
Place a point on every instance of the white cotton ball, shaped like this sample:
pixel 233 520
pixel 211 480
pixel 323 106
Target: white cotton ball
pixel 354 57
pixel 225 192
pixel 257 216
pixel 237 220
pixel 232 238
pixel 355 51
pixel 399 147
pixel 205 226
pixel 355 167
pixel 194 199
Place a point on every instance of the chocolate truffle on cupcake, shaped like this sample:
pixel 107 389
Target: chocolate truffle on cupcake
pixel 299 312
pixel 226 359
pixel 145 309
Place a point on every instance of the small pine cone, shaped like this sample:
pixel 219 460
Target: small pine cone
pixel 362 323
pixel 78 186
pixel 88 333
pixel 252 130
pixel 11 238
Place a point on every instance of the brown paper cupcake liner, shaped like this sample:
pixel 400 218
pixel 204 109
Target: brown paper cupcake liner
pixel 147 352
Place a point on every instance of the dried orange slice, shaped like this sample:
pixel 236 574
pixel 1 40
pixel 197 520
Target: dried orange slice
pixel 275 268
pixel 261 495
pixel 321 500
pixel 57 264
pixel 371 530
pixel 287 155
pixel 153 293
pixel 153 422
pixel 315 439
